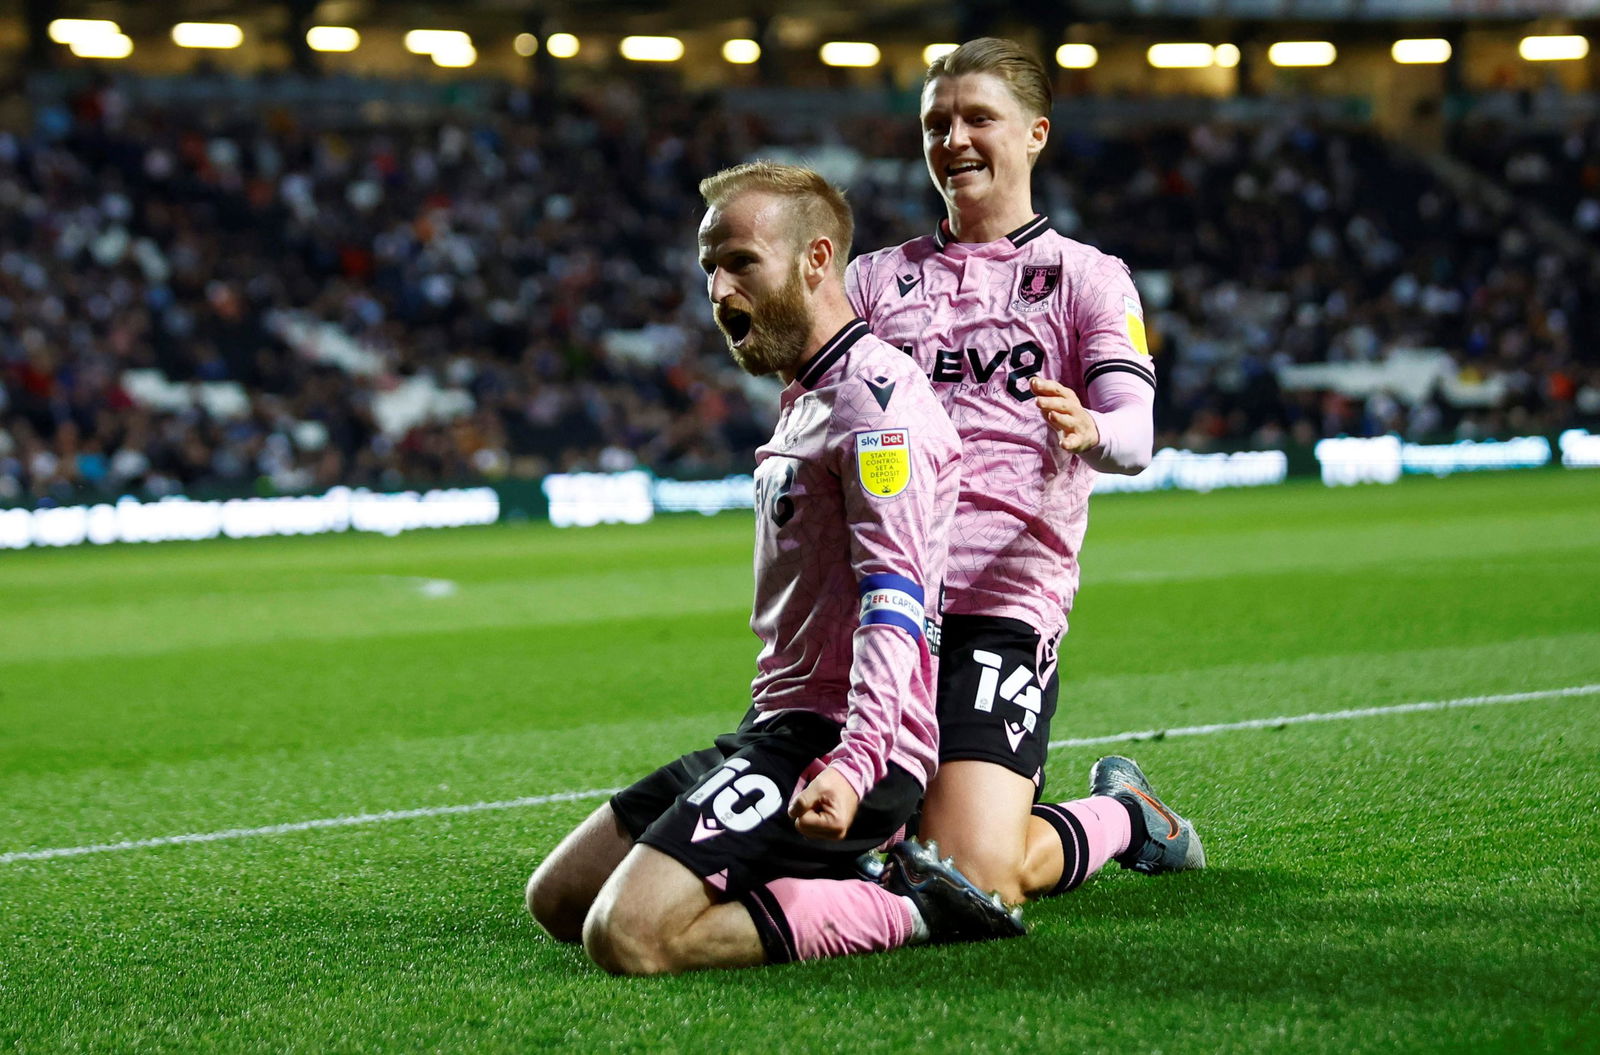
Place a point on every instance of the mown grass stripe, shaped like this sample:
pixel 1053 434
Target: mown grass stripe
pixel 594 793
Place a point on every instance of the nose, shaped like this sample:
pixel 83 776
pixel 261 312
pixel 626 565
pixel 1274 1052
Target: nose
pixel 956 138
pixel 718 285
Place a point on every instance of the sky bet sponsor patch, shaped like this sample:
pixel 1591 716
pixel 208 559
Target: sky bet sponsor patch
pixel 883 459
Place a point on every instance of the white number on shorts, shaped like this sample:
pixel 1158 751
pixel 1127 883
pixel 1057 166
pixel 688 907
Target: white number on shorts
pixel 1017 688
pixel 730 791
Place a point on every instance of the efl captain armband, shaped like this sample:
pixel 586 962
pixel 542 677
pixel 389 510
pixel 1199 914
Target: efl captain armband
pixel 892 599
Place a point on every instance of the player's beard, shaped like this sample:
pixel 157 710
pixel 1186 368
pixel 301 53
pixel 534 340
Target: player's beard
pixel 779 328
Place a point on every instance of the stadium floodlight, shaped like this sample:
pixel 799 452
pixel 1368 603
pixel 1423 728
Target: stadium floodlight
pixel 332 38
pixel 455 56
pixel 66 30
pixel 1077 56
pixel 1302 53
pixel 526 45
pixel 1227 56
pixel 1553 49
pixel 107 46
pixel 561 45
pixel 651 49
pixel 854 53
pixel 934 52
pixel 1418 51
pixel 432 41
pixel 207 35
pixel 741 52
pixel 1181 56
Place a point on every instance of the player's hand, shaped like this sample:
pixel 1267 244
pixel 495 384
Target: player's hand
pixel 827 806
pixel 1074 426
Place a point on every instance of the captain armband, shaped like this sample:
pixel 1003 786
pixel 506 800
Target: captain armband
pixel 892 599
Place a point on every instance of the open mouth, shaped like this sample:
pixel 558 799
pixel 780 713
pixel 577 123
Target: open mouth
pixel 961 168
pixel 734 323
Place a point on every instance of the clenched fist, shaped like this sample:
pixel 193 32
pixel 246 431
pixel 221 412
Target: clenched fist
pixel 827 806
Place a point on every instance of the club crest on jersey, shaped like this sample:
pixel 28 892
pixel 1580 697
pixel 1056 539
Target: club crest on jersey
pixel 1038 282
pixel 883 461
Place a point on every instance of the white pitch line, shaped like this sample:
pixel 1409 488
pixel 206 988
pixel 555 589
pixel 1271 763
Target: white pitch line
pixel 305 826
pixel 595 793
pixel 1332 716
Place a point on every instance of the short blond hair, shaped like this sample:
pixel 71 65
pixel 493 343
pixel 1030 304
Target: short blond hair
pixel 815 206
pixel 1021 70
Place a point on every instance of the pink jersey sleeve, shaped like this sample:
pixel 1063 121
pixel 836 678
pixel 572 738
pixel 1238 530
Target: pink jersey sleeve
pixel 899 465
pixel 1118 373
pixel 1121 408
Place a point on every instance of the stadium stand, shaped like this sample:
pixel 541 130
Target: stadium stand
pixel 278 301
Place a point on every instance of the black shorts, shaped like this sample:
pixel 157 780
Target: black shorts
pixel 724 812
pixel 997 694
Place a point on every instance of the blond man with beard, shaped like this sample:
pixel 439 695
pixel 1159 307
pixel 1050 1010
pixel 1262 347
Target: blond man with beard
pixel 744 853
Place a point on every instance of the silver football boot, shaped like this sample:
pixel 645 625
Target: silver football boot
pixel 1171 844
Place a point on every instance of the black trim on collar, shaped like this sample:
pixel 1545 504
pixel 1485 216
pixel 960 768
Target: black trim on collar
pixel 1035 227
pixel 832 352
pixel 1030 230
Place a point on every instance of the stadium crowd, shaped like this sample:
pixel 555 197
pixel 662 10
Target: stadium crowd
pixel 1549 165
pixel 193 303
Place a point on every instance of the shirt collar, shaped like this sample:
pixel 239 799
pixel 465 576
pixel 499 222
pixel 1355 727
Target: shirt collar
pixel 832 352
pixel 1040 223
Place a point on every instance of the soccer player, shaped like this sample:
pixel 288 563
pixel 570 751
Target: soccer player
pixel 1036 345
pixel 744 853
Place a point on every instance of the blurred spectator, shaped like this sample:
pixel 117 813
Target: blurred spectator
pixel 221 305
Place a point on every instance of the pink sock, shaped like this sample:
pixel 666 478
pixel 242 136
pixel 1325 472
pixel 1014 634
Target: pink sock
pixel 1107 824
pixel 1092 832
pixel 809 919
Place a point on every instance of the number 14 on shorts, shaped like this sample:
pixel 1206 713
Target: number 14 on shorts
pixel 1018 688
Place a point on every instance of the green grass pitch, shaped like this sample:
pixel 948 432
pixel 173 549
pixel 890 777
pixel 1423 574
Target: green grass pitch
pixel 1404 881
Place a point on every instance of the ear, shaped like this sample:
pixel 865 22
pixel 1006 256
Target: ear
pixel 1038 136
pixel 817 261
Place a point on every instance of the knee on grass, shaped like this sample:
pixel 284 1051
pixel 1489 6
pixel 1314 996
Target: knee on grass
pixel 624 943
pixel 555 907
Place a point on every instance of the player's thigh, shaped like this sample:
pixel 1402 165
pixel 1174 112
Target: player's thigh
pixel 567 882
pixel 978 813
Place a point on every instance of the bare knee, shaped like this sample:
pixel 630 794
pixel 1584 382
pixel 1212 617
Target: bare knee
pixel 622 943
pixel 555 905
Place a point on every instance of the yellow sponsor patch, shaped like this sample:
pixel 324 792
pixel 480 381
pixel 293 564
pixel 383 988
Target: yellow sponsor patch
pixel 1136 334
pixel 883 459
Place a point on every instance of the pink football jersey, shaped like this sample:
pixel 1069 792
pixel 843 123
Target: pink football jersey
pixel 855 493
pixel 981 319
